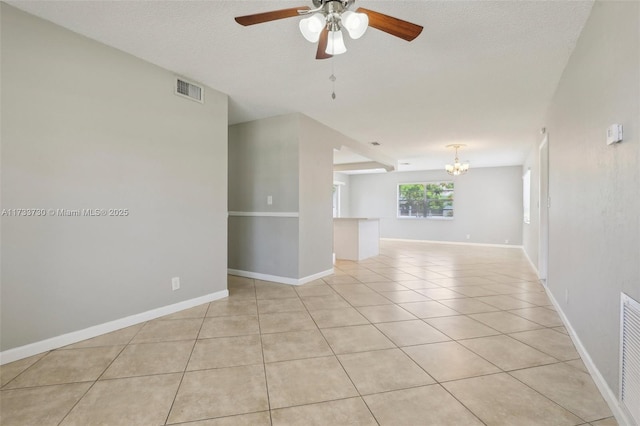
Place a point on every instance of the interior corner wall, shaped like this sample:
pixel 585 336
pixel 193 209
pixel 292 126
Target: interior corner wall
pixel 487 205
pixel 263 162
pixel 85 126
pixel 594 230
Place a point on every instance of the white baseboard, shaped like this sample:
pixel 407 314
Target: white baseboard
pixel 457 243
pixel 31 349
pixel 609 396
pixel 277 279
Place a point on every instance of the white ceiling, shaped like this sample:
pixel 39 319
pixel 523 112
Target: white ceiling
pixel 482 73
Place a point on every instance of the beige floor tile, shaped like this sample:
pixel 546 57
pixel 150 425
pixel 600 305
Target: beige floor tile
pixel 510 289
pixel 353 289
pixel 150 358
pixel 340 279
pixel 428 309
pixel 472 291
pixel 357 338
pixel 332 301
pixel 366 299
pixel 500 399
pixel 505 322
pixel 577 363
pixel 232 307
pixel 315 290
pixel 542 316
pixel 419 284
pixel 338 317
pixel 307 381
pixel 351 411
pixel 440 293
pixel 286 321
pixel 416 332
pixel 567 386
pixel 387 286
pixel 240 325
pixel 221 392
pixel 294 345
pixel 170 330
pixel 118 337
pixel 551 342
pixel 507 353
pixel 41 406
pixel 195 312
pixel 468 306
pixel 253 419
pixel 268 306
pixel 267 290
pixel 610 421
pixel 226 352
pixel 404 296
pixel 461 327
pixel 372 278
pixel 67 366
pixel 424 406
pixel 381 371
pixel 130 401
pixel 536 298
pixel 234 280
pixel 505 302
pixel 385 313
pixel 11 370
pixel 450 361
pixel 562 330
pixel 248 293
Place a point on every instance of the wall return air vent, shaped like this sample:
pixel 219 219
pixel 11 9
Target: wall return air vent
pixel 630 357
pixel 189 90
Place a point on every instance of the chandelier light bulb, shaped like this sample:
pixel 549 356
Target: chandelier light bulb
pixel 335 43
pixel 457 168
pixel 355 23
pixel 312 26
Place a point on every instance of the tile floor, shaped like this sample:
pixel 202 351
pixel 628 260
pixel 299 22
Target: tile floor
pixel 421 335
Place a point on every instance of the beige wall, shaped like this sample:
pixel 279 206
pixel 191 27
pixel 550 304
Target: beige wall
pixel 85 126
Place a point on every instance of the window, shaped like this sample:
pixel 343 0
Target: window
pixel 431 200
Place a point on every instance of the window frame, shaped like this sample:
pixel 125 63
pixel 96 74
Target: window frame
pixel 424 184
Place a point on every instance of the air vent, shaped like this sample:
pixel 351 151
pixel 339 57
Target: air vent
pixel 630 357
pixel 189 90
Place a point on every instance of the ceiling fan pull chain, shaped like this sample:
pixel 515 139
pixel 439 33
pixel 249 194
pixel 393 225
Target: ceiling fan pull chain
pixel 332 77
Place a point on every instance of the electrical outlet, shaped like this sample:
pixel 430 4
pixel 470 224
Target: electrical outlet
pixel 506 241
pixel 468 236
pixel 269 199
pixel 175 283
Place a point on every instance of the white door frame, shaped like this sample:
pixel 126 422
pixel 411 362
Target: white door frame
pixel 543 210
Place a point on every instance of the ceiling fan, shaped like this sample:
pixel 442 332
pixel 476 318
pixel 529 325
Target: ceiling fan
pixel 325 22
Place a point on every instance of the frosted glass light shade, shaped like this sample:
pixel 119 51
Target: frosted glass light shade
pixel 312 26
pixel 335 43
pixel 355 23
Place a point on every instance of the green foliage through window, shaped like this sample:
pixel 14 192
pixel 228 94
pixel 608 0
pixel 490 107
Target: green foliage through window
pixel 425 199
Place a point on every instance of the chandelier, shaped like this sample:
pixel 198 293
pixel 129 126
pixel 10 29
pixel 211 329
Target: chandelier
pixel 457 168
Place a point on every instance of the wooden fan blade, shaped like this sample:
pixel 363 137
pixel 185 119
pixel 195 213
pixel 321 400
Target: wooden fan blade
pixel 259 18
pixel 394 26
pixel 322 45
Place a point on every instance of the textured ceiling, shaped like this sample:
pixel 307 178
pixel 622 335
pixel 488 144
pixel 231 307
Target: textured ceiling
pixel 482 73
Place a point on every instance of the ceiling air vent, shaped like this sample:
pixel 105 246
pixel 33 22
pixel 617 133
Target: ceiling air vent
pixel 189 90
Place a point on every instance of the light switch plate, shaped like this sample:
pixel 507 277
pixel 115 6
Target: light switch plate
pixel 614 134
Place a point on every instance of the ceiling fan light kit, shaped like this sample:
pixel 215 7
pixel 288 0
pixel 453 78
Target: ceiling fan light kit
pixel 328 18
